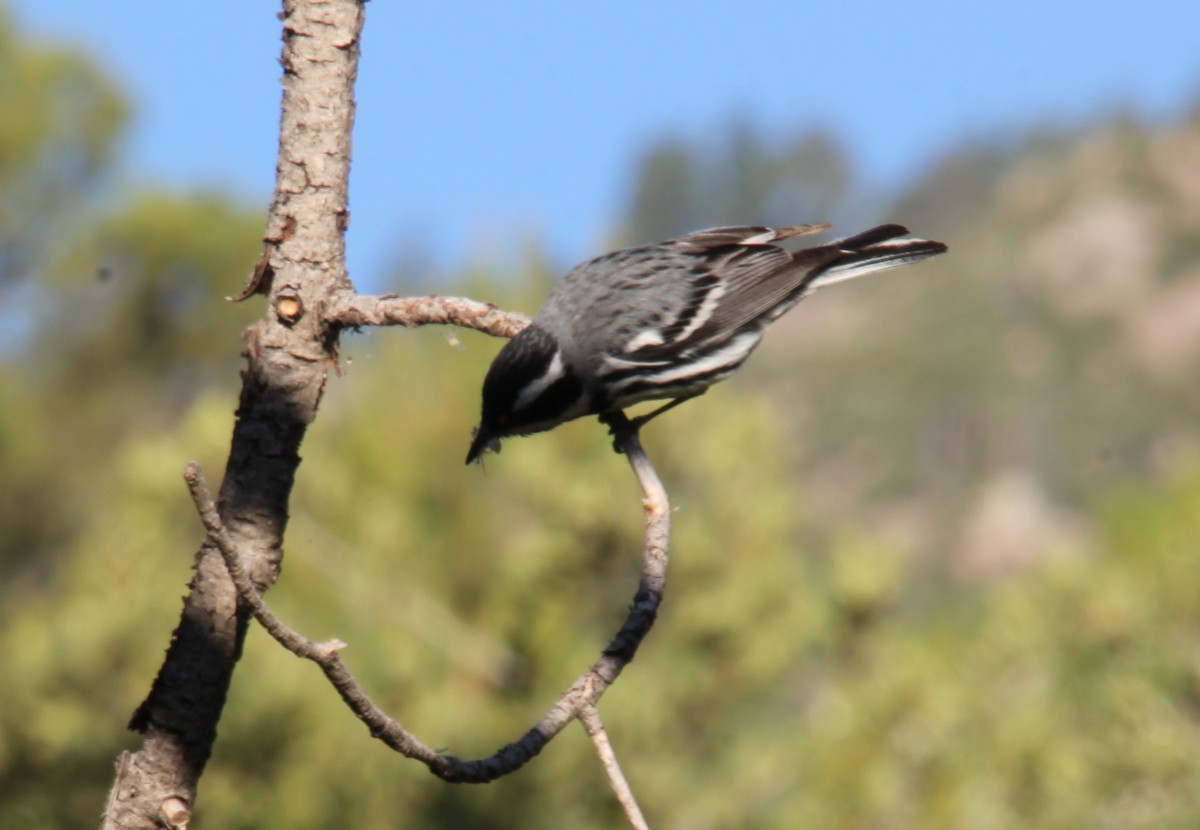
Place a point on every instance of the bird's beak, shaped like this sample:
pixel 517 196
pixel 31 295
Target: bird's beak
pixel 481 443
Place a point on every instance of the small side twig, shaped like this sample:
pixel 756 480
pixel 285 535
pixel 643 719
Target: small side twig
pixel 590 718
pixel 352 310
pixel 584 692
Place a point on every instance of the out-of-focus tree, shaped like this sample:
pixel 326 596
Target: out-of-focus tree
pixel 131 325
pixel 742 179
pixel 112 305
pixel 62 116
pixel 1051 354
pixel 664 195
pixel 140 297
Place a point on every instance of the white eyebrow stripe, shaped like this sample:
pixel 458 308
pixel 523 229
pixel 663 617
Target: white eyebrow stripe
pixel 534 388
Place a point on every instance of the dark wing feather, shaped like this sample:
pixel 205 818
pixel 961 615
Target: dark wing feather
pixel 734 284
pixel 761 288
pixel 700 242
pixel 739 279
pixel 757 281
pixel 720 267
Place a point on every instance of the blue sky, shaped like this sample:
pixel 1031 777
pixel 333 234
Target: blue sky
pixel 479 123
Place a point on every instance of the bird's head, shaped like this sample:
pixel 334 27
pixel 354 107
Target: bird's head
pixel 529 388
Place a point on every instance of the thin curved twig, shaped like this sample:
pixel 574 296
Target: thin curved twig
pixel 584 692
pixel 592 724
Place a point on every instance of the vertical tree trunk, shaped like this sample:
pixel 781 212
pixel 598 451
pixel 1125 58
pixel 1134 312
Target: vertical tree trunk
pixel 288 355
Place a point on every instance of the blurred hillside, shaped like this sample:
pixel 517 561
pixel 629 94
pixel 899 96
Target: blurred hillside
pixel 1050 357
pixel 935 547
pixel 979 407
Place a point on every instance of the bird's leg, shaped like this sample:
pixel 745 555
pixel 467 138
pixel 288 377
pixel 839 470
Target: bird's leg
pixel 618 422
pixel 642 420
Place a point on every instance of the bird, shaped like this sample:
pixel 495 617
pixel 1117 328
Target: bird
pixel 666 321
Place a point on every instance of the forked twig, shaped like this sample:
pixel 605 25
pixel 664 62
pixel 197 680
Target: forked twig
pixel 584 692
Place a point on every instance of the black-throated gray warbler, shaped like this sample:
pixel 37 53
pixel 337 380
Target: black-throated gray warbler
pixel 665 321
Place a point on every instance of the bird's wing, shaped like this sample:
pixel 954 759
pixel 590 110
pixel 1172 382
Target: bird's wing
pixel 701 242
pixel 733 276
pixel 753 282
pixel 736 278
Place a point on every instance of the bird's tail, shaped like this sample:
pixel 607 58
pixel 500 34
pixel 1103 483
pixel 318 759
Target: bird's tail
pixel 875 250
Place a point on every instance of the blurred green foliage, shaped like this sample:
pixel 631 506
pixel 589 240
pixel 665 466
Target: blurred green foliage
pixel 62 119
pixel 935 549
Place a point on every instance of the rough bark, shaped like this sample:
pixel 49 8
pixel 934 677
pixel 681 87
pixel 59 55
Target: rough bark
pixel 288 354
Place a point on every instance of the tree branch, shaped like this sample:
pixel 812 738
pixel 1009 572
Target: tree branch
pixel 355 310
pixel 592 724
pixel 288 354
pixel 584 692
